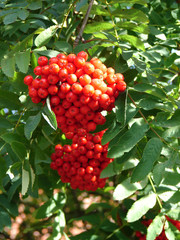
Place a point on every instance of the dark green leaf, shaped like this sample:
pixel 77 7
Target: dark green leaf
pixel 58 226
pixel 98 206
pixel 51 206
pixel 151 154
pixel 10 207
pixel 142 2
pixel 151 103
pixel 142 28
pixel 172 132
pixel 5 219
pixel 35 5
pixel 158 172
pixel 152 90
pixel 19 149
pixel 31 125
pixel 121 107
pixel 141 207
pixel 23 14
pixel 8 66
pixel 45 36
pixel 3 170
pixel 10 18
pixel 126 189
pixel 23 60
pixel 111 132
pixel 63 46
pixel 129 139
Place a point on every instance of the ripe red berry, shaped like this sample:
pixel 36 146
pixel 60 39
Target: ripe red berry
pixel 43 92
pixel 42 61
pixel 121 86
pixel 38 70
pixel 54 68
pixel 79 62
pixel 28 80
pixel 83 55
pixel 53 89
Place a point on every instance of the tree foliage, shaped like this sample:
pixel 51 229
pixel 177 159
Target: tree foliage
pixel 138 38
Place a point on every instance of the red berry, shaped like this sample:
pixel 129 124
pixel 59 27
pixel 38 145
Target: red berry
pixel 43 92
pixel 83 55
pixel 121 86
pixel 38 70
pixel 79 62
pixel 28 80
pixel 53 89
pixel 42 61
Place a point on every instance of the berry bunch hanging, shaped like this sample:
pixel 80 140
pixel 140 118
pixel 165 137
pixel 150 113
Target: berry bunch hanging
pixel 79 90
pixel 81 163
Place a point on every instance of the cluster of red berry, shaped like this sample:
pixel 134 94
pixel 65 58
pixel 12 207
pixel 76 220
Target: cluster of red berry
pixel 81 163
pixel 162 236
pixel 78 91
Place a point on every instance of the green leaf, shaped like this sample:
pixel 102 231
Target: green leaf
pixel 23 60
pixel 152 90
pixel 19 149
pixel 129 139
pixel 142 2
pixel 126 189
pixel 63 46
pixel 149 103
pixel 141 207
pixel 142 28
pixel 10 207
pixel 23 14
pixel 10 18
pixel 11 137
pixel 110 170
pixel 98 27
pixel 172 132
pixel 169 232
pixel 111 132
pixel 5 219
pixel 31 125
pixel 140 65
pixel 8 66
pixel 49 115
pixel 44 37
pixel 25 181
pixel 35 5
pixel 121 107
pixel 151 154
pixel 158 172
pixel 51 206
pixel 134 41
pixel 97 206
pixel 3 170
pixel 9 100
pixel 13 188
pixel 58 226
pixel 155 228
pixel 132 14
pixel 82 47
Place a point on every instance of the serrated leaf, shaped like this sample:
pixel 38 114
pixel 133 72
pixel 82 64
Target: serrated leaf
pixel 134 41
pixel 23 60
pixel 23 14
pixel 172 132
pixel 31 125
pixel 111 132
pixel 19 149
pixel 63 46
pixel 25 181
pixel 152 90
pixel 149 103
pixel 45 36
pixel 121 107
pixel 9 100
pixel 129 139
pixel 98 27
pixel 141 207
pixel 142 28
pixel 126 189
pixel 158 172
pixel 51 206
pixel 8 66
pixel 151 154
pixel 139 64
pixel 132 14
pixel 10 18
pixel 155 228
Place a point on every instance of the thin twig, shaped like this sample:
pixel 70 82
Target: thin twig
pixel 154 190
pixel 83 24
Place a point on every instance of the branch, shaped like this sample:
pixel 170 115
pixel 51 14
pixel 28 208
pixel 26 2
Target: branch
pixel 83 24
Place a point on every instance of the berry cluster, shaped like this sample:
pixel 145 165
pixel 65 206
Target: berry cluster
pixel 81 163
pixel 162 236
pixel 78 90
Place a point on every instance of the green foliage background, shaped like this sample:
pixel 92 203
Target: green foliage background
pixel 139 39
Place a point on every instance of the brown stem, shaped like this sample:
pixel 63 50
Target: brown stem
pixel 83 24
